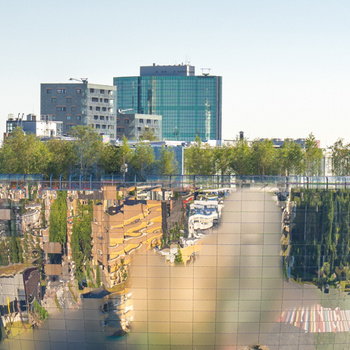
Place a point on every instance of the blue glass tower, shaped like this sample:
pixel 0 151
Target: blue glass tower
pixel 190 105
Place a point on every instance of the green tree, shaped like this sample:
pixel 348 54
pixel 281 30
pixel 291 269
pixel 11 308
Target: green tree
pixel 148 134
pixel 263 158
pixel 63 158
pixel 58 218
pixel 143 159
pixel 290 158
pixel 312 156
pixel 199 159
pixel 88 145
pixel 222 159
pixel 340 158
pixel 240 161
pixel 23 154
pixel 167 164
pixel 110 160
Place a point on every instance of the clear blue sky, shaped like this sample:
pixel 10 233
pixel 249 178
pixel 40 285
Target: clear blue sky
pixel 285 64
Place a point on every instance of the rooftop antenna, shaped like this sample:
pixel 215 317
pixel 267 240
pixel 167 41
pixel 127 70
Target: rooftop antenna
pixel 205 71
pixel 82 80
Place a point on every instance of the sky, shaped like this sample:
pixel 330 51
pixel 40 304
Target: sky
pixel 284 63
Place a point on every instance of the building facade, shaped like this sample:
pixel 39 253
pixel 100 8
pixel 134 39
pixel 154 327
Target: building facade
pixel 190 105
pixel 81 104
pixel 134 125
pixel 45 127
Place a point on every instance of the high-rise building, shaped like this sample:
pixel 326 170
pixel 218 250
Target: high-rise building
pixel 190 105
pixel 81 104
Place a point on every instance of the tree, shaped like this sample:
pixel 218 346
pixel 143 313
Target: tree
pixel 263 158
pixel 88 145
pixel 148 134
pixel 290 158
pixel 313 156
pixel 340 158
pixel 110 160
pixel 63 158
pixel 58 218
pixel 143 158
pixel 222 159
pixel 240 158
pixel 167 164
pixel 199 159
pixel 23 154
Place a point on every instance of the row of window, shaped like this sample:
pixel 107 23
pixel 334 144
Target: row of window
pixel 104 109
pixel 54 100
pixel 105 100
pixel 104 126
pixel 110 92
pixel 62 91
pixel 102 117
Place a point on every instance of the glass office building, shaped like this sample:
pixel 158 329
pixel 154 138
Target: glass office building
pixel 190 105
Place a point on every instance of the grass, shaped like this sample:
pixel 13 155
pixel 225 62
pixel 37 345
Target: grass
pixel 71 292
pixel 57 303
pixel 13 269
pixel 16 328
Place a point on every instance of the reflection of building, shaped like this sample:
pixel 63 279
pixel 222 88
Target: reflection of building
pixel 22 286
pixel 120 229
pixel 81 104
pixel 189 105
pixel 134 125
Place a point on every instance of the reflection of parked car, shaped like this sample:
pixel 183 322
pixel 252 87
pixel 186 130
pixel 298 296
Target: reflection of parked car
pixel 326 288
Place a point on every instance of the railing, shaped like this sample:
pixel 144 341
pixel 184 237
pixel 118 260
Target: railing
pixel 22 181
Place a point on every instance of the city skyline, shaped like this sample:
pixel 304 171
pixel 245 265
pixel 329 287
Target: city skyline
pixel 284 65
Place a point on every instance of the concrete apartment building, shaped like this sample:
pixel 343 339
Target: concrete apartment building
pixel 80 104
pixel 190 105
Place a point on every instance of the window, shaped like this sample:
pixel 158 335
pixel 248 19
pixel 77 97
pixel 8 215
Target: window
pixel 68 100
pixel 49 91
pixel 104 109
pixel 102 91
pixel 111 127
pixel 106 117
pixel 53 99
pixel 94 99
pixel 112 136
pixel 126 121
pixel 61 91
pixel 103 126
pixel 90 108
pixel 110 92
pixel 112 119
pixel 148 121
pixel 154 122
pixel 102 117
pixel 69 117
pixel 78 91
pixel 60 108
pixel 138 128
pixel 96 117
pixel 53 117
pixel 78 117
pixel 106 100
pixel 92 90
pixel 98 126
pixel 98 108
pixel 140 121
pixel 120 129
pixel 73 108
